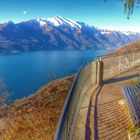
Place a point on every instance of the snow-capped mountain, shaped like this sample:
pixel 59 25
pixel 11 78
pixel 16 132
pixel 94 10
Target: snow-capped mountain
pixel 119 38
pixel 59 33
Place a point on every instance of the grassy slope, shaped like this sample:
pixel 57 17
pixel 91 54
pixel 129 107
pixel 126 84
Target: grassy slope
pixel 132 46
pixel 36 117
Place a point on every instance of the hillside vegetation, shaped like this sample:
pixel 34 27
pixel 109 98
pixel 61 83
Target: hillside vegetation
pixel 135 46
pixel 36 117
pixel 130 47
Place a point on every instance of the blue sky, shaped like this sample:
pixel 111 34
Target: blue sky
pixel 95 12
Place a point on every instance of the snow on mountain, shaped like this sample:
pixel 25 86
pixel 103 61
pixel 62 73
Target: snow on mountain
pixel 106 31
pixel 72 23
pixel 41 21
pixel 55 21
pixel 59 21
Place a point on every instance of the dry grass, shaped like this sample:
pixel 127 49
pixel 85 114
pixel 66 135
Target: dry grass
pixel 132 82
pixel 36 117
pixel 133 129
pixel 134 46
pixel 131 46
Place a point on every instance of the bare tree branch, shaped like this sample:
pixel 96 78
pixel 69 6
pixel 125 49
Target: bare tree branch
pixel 4 93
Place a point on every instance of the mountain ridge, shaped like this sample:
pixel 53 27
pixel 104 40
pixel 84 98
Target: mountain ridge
pixel 59 33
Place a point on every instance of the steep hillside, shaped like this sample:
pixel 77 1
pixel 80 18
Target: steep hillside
pixel 132 46
pixel 59 33
pixel 36 117
pixel 127 48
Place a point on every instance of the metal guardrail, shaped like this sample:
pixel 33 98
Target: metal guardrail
pixel 62 132
pixel 131 94
pixel 70 110
pixel 116 64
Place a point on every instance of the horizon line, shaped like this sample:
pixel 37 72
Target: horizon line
pixel 98 27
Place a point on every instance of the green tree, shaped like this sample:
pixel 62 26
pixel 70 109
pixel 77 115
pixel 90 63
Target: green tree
pixel 129 5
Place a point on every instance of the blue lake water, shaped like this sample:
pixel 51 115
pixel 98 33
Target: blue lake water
pixel 25 73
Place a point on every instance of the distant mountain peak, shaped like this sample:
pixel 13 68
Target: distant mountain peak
pixel 59 21
pixel 10 22
pixel 59 33
pixel 41 21
pixel 56 21
pixel 108 31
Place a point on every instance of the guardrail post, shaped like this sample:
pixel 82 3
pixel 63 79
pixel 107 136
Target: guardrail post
pixel 99 72
pixel 119 64
pixel 134 59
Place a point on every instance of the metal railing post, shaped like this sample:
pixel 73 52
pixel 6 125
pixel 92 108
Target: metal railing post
pixel 99 72
pixel 133 59
pixel 119 64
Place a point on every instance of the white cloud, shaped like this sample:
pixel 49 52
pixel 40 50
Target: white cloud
pixel 24 12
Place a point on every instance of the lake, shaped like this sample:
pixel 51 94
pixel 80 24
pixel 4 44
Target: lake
pixel 26 72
